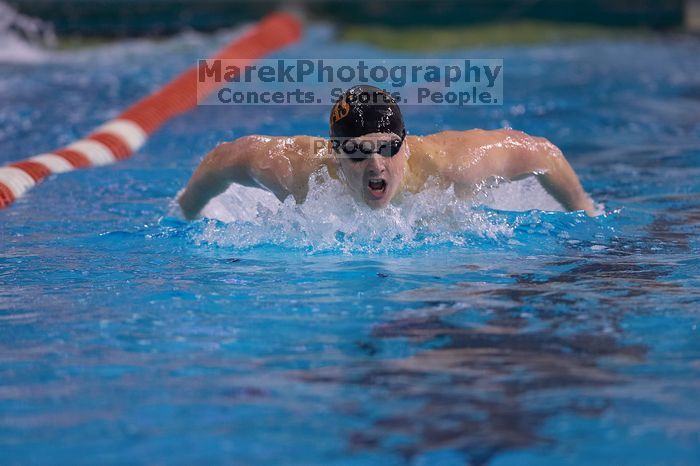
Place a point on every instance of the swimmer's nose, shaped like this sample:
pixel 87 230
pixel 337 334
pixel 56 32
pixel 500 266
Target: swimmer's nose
pixel 375 166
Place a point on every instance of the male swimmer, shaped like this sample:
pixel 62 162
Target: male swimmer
pixel 370 152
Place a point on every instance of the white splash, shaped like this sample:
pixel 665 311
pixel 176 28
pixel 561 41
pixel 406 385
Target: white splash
pixel 522 195
pixel 330 220
pixel 28 40
pixel 22 39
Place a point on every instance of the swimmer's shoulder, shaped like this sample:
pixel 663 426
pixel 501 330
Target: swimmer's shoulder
pixel 310 153
pixel 299 150
pixel 301 145
pixel 438 149
pixel 291 156
pixel 448 145
pixel 468 136
pixel 444 153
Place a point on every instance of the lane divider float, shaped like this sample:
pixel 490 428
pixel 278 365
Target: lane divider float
pixel 118 139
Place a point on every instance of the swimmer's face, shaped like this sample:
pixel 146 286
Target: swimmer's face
pixel 372 177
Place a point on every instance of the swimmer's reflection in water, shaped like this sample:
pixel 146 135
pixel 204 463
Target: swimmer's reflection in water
pixel 369 150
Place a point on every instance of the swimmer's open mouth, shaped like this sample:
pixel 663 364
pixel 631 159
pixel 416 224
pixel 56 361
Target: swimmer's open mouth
pixel 376 186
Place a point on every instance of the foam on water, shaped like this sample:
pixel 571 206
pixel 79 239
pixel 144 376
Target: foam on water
pixel 330 220
pixel 28 40
pixel 22 39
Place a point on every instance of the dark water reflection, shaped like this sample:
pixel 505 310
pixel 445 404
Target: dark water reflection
pixel 552 344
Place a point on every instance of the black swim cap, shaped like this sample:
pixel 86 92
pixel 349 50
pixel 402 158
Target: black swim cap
pixel 363 110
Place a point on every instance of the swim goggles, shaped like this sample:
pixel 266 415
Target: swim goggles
pixel 358 149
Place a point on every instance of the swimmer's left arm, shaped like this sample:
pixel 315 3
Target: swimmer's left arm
pixel 517 155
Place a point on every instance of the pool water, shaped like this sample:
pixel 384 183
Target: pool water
pixel 435 332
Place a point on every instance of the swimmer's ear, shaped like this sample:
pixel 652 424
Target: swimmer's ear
pixel 332 154
pixel 406 148
pixel 333 164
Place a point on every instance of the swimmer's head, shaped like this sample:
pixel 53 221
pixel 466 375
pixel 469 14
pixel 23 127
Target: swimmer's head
pixel 367 137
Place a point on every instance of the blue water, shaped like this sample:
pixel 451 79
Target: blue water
pixel 436 332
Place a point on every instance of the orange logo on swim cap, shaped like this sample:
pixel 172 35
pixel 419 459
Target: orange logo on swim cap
pixel 341 109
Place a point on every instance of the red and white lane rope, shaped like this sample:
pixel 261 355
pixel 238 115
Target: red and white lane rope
pixel 120 138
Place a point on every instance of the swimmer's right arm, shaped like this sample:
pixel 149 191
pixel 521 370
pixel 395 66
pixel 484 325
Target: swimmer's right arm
pixel 220 167
pixel 255 161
